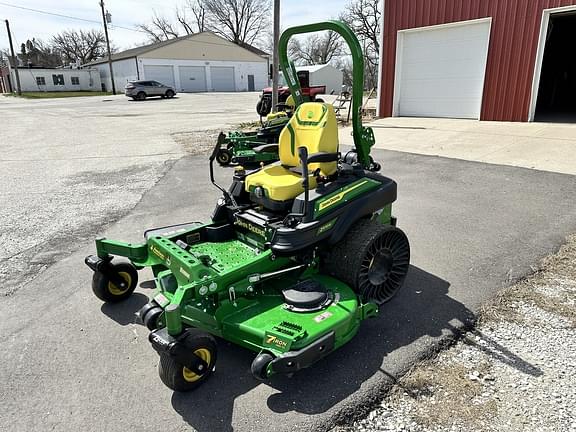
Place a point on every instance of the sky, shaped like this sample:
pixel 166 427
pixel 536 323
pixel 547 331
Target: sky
pixel 26 24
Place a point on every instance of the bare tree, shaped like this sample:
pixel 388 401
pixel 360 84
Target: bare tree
pixel 317 49
pixel 240 21
pixel 4 56
pixel 188 19
pixel 197 11
pixel 159 29
pixel 345 65
pixel 363 16
pixel 79 45
pixel 183 21
pixel 38 53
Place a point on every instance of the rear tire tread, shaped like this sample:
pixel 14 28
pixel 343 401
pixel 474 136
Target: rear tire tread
pixel 348 260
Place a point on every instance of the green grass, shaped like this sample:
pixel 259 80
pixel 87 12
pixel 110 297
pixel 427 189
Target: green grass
pixel 64 94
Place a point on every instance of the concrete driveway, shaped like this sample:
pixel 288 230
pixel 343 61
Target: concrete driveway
pixel 70 363
pixel 542 146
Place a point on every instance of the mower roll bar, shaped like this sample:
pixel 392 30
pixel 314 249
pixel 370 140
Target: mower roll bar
pixel 363 136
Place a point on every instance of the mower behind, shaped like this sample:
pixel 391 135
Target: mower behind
pixel 248 149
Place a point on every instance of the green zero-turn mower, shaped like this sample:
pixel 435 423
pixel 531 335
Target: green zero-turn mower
pixel 296 256
pixel 249 149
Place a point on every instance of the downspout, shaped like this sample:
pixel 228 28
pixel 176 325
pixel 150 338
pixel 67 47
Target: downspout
pixel 137 70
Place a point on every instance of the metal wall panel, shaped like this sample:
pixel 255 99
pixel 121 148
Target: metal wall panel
pixel 511 55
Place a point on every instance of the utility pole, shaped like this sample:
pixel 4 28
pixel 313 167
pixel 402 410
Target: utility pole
pixel 105 18
pixel 276 61
pixel 14 59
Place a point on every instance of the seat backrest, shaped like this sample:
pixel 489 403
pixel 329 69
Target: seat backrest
pixel 313 126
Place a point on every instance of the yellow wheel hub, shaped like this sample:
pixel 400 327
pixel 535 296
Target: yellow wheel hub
pixel 114 290
pixel 191 376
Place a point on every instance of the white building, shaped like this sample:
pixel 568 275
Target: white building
pixel 195 63
pixel 323 75
pixel 50 80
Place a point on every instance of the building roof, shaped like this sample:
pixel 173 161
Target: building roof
pixel 135 52
pixel 313 68
pixel 255 50
pixel 61 68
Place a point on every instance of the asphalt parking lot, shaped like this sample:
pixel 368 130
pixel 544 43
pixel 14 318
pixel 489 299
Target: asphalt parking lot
pixel 70 363
pixel 71 165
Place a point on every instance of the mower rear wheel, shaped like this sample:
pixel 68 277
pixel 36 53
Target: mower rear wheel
pixel 178 377
pixel 373 259
pixel 224 157
pixel 107 291
pixel 260 364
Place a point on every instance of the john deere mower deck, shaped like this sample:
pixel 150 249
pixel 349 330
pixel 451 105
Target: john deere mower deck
pixel 297 254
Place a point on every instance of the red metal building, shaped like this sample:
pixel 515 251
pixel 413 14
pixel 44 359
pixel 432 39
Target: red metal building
pixel 505 60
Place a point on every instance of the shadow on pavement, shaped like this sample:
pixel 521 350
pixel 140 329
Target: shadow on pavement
pixel 124 313
pixel 151 98
pixel 422 308
pixel 148 284
pixel 502 354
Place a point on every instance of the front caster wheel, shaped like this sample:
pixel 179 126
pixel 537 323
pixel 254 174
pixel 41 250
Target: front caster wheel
pixel 108 291
pixel 150 318
pixel 259 366
pixel 224 157
pixel 178 377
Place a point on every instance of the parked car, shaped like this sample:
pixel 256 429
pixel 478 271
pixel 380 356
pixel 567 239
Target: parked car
pixel 140 90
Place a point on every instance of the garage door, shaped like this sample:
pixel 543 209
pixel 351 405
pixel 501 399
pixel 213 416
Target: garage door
pixel 192 78
pixel 440 71
pixel 223 78
pixel 162 74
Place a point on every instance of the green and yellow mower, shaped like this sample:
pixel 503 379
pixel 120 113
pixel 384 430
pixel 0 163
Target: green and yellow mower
pixel 250 149
pixel 296 255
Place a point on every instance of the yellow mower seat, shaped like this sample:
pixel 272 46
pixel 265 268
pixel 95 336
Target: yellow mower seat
pixel 313 126
pixel 278 183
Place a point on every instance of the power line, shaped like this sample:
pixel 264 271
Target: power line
pixel 49 13
pixel 96 22
pixel 64 16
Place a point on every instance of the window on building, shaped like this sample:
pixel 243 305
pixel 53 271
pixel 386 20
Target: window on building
pixel 75 80
pixel 58 79
pixel 40 81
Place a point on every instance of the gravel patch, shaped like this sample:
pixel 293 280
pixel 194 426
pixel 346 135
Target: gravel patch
pixel 515 372
pixel 197 142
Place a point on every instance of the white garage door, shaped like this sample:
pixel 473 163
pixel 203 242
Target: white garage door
pixel 440 71
pixel 223 78
pixel 192 78
pixel 162 74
